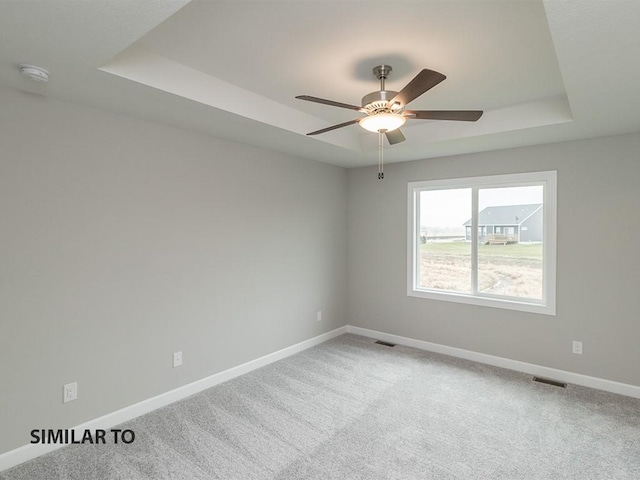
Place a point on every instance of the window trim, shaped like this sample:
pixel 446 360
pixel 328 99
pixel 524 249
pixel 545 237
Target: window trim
pixel 547 305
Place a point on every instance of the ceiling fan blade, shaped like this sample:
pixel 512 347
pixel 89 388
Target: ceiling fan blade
pixel 328 129
pixel 395 136
pixel 425 80
pixel 309 98
pixel 459 115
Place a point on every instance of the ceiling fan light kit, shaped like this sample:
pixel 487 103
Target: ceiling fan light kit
pixel 385 109
pixel 385 122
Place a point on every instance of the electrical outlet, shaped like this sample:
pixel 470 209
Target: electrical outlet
pixel 319 316
pixel 577 347
pixel 70 392
pixel 177 359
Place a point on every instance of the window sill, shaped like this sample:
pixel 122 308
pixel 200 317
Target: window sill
pixel 486 301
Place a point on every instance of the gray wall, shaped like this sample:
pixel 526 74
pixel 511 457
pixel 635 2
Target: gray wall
pixel 123 241
pixel 597 270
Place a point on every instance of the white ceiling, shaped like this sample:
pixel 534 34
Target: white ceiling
pixel 542 71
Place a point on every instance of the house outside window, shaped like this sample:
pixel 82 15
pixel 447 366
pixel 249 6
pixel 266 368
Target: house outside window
pixel 509 223
pixel 484 240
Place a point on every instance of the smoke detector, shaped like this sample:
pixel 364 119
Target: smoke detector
pixel 37 74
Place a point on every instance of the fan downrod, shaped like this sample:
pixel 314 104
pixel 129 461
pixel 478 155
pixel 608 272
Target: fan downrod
pixel 381 72
pixel 378 101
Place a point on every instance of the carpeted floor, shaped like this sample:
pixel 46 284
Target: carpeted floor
pixel 351 409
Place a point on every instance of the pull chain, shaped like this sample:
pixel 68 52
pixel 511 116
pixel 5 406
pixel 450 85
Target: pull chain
pixel 380 156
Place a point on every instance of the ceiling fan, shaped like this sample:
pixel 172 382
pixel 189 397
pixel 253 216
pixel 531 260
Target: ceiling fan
pixel 385 109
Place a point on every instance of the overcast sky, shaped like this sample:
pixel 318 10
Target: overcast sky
pixel 452 208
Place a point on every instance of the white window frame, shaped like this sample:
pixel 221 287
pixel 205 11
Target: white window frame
pixel 547 305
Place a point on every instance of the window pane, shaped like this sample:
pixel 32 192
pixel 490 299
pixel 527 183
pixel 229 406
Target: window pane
pixel 510 260
pixel 444 249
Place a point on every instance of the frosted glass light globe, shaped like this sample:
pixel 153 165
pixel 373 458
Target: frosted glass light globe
pixel 382 121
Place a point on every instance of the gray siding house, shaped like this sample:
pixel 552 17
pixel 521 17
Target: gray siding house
pixel 508 224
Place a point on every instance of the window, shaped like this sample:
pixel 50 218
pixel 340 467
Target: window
pixel 484 240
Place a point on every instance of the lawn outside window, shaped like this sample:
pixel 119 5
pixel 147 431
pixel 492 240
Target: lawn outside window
pixel 487 241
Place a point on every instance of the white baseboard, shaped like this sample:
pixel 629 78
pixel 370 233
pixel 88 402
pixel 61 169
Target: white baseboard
pixel 31 451
pixel 530 368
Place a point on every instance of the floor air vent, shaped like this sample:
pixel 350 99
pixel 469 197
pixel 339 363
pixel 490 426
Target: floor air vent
pixel 386 344
pixel 548 381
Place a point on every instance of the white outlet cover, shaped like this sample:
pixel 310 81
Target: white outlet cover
pixel 177 359
pixel 577 347
pixel 70 392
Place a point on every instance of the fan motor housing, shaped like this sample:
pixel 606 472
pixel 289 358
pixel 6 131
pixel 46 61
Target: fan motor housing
pixel 378 101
